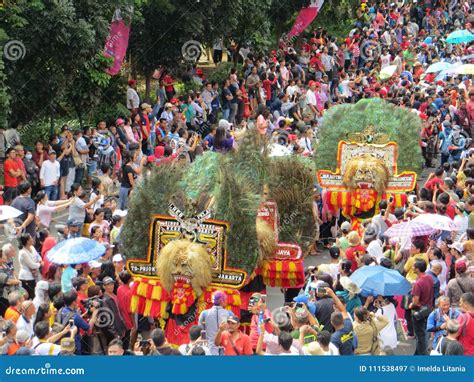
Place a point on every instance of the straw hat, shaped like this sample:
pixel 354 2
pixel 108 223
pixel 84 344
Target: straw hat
pixel 353 238
pixel 349 285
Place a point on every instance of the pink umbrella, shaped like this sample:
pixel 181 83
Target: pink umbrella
pixel 438 222
pixel 410 228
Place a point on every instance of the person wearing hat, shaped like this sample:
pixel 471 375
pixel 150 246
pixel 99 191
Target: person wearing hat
pixel 9 342
pixel 49 176
pixel 116 328
pixel 231 339
pixel 456 143
pixel 106 154
pixel 355 251
pixel 374 245
pixel 212 318
pixel 462 283
pixel 342 242
pixel 133 100
pixel 258 308
pixel 68 347
pixel 350 294
pixel 119 263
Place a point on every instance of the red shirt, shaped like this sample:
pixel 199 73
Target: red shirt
pixel 254 326
pixel 424 289
pixel 124 296
pixel 49 243
pixel 267 85
pixel 242 344
pixel 81 297
pixel 430 185
pixel 466 333
pixel 10 181
pixel 37 157
pixel 21 165
pixel 355 252
pixel 168 80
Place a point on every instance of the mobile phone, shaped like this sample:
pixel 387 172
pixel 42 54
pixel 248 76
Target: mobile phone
pixel 71 323
pixel 267 320
pixel 299 305
pixel 203 335
pixel 391 199
pixel 415 199
pixel 144 343
pixel 220 350
pixel 321 290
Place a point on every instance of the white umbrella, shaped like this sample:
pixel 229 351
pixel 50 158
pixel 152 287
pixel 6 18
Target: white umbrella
pixel 388 72
pixel 439 222
pixel 7 212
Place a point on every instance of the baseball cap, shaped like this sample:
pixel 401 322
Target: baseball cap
pixel 255 298
pixel 457 246
pixel 93 264
pixel 233 318
pixel 465 78
pixel 119 121
pixel 121 213
pixel 145 106
pixel 108 280
pixel 346 226
pixel 117 258
pixel 460 266
pixel 68 345
pixel 225 124
pixel 52 152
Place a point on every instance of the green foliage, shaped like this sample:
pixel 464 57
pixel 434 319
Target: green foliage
pixel 401 125
pixel 222 72
pixel 291 186
pixel 41 130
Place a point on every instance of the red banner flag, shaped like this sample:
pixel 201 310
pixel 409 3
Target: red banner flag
pixel 117 42
pixel 305 17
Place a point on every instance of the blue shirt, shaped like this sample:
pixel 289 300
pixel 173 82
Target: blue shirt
pixel 67 312
pixel 343 338
pixel 66 278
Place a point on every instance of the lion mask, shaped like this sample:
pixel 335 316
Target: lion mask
pixel 183 260
pixel 366 172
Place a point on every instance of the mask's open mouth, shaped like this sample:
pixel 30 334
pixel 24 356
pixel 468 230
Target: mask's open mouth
pixel 365 185
pixel 182 278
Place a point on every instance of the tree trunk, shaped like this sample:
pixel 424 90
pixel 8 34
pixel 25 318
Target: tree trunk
pixel 148 87
pixel 79 117
pixel 51 118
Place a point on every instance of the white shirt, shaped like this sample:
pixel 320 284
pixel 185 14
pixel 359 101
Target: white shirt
pixel 345 89
pixel 22 324
pixel 81 145
pixel 45 212
pixel 385 60
pixel 375 250
pixel 45 348
pixel 132 97
pixel 311 98
pixel 49 172
pixel 29 261
pixel 462 223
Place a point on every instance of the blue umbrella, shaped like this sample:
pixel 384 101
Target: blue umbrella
pixel 377 280
pixel 438 67
pixel 460 36
pixel 75 251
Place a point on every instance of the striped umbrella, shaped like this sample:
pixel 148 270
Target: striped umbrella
pixel 409 228
pixel 438 222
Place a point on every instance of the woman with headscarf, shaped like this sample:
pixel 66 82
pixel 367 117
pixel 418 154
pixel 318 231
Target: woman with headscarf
pixel 41 293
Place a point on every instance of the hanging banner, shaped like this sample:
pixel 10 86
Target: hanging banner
pixel 305 17
pixel 117 42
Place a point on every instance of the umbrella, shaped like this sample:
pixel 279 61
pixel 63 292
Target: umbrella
pixel 377 280
pixel 460 36
pixel 75 251
pixel 439 222
pixel 465 69
pixel 438 67
pixel 468 58
pixel 388 72
pixel 409 229
pixel 7 212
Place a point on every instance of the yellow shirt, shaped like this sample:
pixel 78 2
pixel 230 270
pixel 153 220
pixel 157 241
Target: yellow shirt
pixel 411 275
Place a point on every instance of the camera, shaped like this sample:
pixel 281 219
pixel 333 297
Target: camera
pixel 321 290
pixel 144 343
pixel 299 305
pixel 91 302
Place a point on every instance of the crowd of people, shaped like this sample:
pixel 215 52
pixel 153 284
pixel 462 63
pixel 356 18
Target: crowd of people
pixel 91 173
